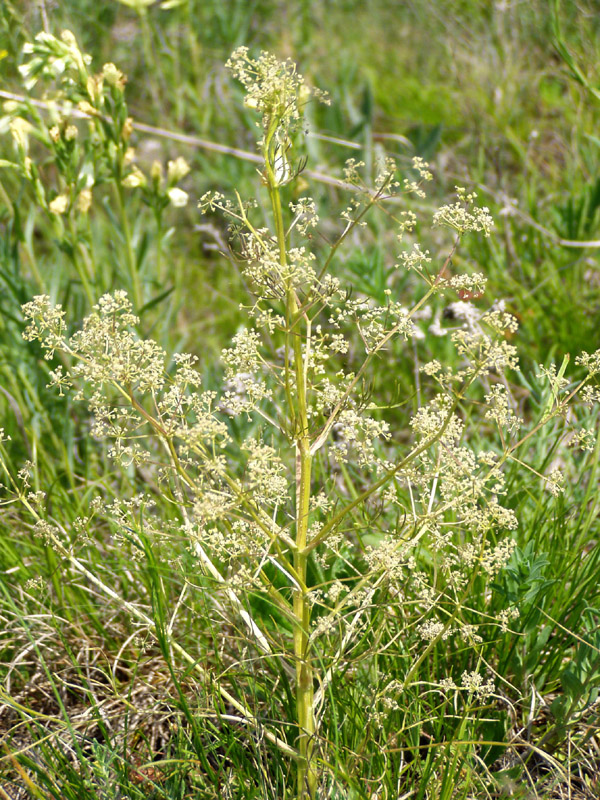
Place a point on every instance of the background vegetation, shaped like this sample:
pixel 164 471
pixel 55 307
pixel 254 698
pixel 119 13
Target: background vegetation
pixel 500 97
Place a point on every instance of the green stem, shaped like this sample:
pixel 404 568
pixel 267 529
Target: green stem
pixel 159 245
pixel 305 715
pixel 307 775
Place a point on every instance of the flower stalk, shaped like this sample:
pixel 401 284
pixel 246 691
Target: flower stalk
pixel 307 776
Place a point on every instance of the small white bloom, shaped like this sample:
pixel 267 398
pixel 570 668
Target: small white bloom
pixel 178 197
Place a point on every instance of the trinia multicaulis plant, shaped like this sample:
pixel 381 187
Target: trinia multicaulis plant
pixel 261 502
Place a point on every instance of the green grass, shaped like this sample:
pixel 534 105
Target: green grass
pixel 96 703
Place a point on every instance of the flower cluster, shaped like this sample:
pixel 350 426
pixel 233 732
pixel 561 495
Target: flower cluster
pixel 52 57
pixel 499 409
pixel 273 87
pixel 463 216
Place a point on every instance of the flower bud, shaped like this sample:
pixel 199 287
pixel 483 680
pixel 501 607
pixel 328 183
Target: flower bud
pixel 156 173
pixel 176 170
pixel 84 201
pixel 59 205
pixel 20 129
pixel 113 76
pixel 178 197
pixel 135 179
pixel 127 129
pixel 68 38
pixel 94 87
pixel 87 108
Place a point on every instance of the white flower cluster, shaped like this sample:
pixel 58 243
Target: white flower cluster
pixel 415 259
pixel 434 629
pixel 305 215
pixel 243 363
pixel 591 362
pixel 266 474
pixel 111 360
pixel 264 268
pixel 474 683
pixel 356 434
pixel 485 352
pixel 273 87
pixel 585 439
pixel 473 284
pixel 463 216
pixel 499 409
pixel 555 482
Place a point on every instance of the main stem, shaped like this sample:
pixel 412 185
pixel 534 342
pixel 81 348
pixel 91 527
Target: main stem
pixel 307 772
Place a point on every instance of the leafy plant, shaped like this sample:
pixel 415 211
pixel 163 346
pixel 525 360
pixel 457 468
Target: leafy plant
pixel 300 555
pixel 250 471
